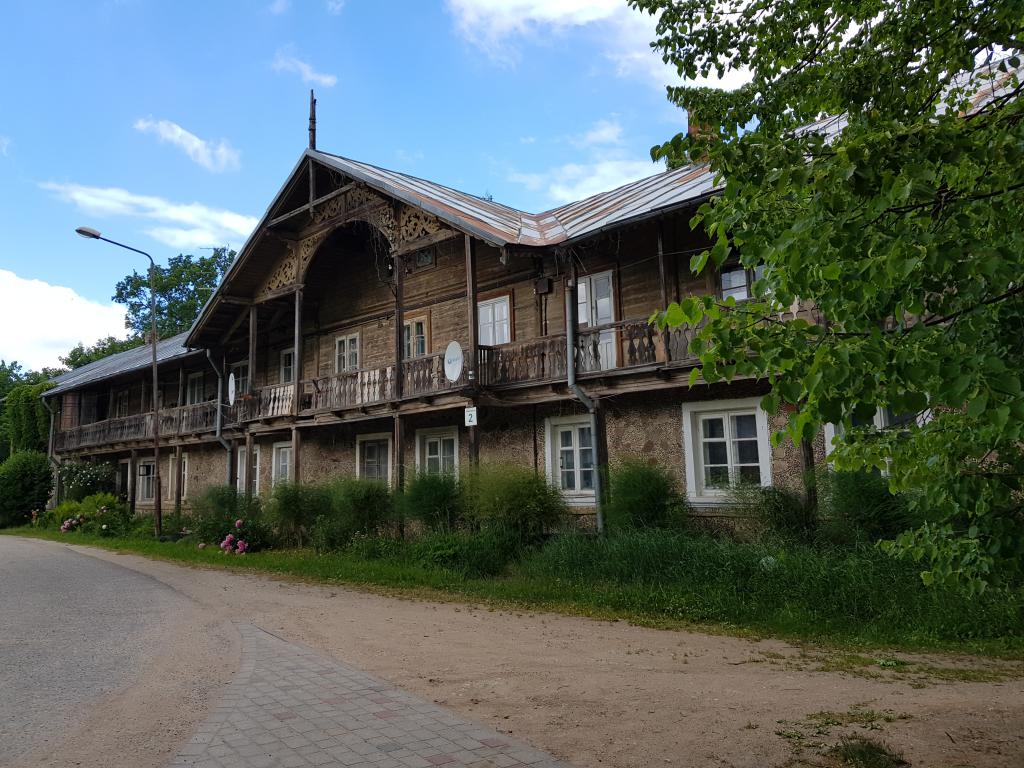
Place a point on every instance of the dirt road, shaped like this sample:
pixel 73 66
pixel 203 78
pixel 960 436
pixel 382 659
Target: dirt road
pixel 599 693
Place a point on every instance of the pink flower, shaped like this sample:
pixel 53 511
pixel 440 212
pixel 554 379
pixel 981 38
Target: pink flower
pixel 229 538
pixel 238 524
pixel 242 547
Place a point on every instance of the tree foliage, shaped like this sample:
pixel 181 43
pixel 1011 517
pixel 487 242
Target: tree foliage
pixel 82 355
pixel 26 480
pixel 182 288
pixel 26 419
pixel 901 224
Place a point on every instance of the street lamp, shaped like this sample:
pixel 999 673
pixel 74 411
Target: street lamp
pixel 92 234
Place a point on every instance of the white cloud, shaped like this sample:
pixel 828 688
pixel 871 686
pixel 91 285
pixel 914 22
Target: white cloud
pixel 51 319
pixel 626 33
pixel 575 181
pixel 179 225
pixel 279 6
pixel 603 132
pixel 286 63
pixel 213 156
pixel 5 144
pixel 334 7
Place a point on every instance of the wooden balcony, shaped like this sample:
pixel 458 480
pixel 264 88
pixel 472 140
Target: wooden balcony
pixel 351 389
pixel 186 420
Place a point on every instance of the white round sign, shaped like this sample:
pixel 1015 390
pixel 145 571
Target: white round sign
pixel 453 361
pixel 231 389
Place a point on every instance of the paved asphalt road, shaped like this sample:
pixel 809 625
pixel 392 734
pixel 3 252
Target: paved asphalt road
pixel 72 628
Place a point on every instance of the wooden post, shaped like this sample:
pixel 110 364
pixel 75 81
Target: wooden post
pixel 233 465
pixel 133 471
pixel 398 464
pixel 179 476
pixel 297 357
pixel 601 460
pixel 250 464
pixel 181 386
pixel 473 356
pixel 663 278
pixel 252 349
pixel 399 267
pixel 296 445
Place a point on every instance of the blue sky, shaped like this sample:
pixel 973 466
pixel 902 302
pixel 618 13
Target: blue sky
pixel 170 125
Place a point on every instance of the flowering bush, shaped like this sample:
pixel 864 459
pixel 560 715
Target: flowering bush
pixel 233 543
pixel 72 523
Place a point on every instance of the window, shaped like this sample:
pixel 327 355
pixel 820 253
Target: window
pixel 423 259
pixel 346 353
pixel 147 481
pixel 596 307
pixel 493 322
pixel 287 368
pixel 415 338
pixel 572 460
pixel 437 451
pixel 243 470
pixel 282 469
pixel 884 418
pixel 738 282
pixel 195 393
pixel 726 443
pixel 374 457
pixel 174 475
pixel 121 404
pixel 241 371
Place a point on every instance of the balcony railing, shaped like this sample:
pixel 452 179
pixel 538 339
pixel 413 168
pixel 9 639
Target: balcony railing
pixel 425 376
pixel 351 389
pixel 522 362
pixel 189 419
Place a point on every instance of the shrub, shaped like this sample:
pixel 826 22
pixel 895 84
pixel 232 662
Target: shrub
pixel 83 479
pixel 355 507
pixel 26 480
pixel 104 509
pixel 512 501
pixel 215 513
pixel 294 508
pixel 473 555
pixel 780 510
pixel 434 500
pixel 861 505
pixel 643 495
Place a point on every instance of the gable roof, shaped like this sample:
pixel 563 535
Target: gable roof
pixel 129 361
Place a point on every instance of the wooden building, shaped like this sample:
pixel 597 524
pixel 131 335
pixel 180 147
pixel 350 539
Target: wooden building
pixel 335 317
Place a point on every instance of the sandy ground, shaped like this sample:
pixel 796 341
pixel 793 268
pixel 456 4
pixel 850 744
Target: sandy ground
pixel 596 693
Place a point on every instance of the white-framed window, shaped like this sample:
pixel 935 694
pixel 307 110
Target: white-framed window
pixel 147 481
pixel 437 451
pixel 494 323
pixel 726 442
pixel 415 335
pixel 595 304
pixel 346 353
pixel 373 457
pixel 241 371
pixel 884 418
pixel 195 391
pixel 282 468
pixel 286 367
pixel 242 470
pixel 572 457
pixel 121 404
pixel 174 475
pixel 737 281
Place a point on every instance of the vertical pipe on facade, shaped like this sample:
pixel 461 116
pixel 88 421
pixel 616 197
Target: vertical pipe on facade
pixel 571 322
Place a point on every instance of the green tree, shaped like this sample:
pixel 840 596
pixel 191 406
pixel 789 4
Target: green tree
pixel 26 419
pixel 901 224
pixel 11 375
pixel 182 288
pixel 82 355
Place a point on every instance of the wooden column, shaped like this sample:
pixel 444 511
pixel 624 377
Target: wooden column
pixel 181 386
pixel 663 279
pixel 252 348
pixel 133 472
pixel 296 445
pixel 398 464
pixel 297 356
pixel 601 460
pixel 250 465
pixel 233 465
pixel 473 353
pixel 179 476
pixel 399 267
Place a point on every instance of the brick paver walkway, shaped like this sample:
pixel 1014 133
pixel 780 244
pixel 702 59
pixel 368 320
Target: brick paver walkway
pixel 290 706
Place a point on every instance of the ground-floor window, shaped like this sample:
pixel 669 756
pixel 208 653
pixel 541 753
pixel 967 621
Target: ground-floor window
pixel 572 458
pixel 243 470
pixel 174 475
pixel 373 457
pixel 726 443
pixel 147 481
pixel 282 469
pixel 437 451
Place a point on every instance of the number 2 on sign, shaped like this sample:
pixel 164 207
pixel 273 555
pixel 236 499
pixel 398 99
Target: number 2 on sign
pixel 471 417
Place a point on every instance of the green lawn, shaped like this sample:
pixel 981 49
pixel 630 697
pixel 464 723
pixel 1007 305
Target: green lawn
pixel 850 599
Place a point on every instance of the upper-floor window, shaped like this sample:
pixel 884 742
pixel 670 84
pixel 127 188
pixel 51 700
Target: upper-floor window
pixel 121 404
pixel 195 392
pixel 241 372
pixel 595 305
pixel 415 337
pixel 287 366
pixel 493 322
pixel 737 281
pixel 346 353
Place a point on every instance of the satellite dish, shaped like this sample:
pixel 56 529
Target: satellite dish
pixel 453 362
pixel 231 389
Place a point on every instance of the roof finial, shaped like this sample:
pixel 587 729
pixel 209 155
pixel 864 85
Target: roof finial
pixel 312 120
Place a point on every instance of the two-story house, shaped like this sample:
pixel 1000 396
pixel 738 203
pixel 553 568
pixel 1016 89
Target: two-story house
pixel 332 325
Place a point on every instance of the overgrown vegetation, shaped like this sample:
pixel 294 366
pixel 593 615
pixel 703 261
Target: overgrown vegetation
pixel 644 495
pixel 83 478
pixel 26 480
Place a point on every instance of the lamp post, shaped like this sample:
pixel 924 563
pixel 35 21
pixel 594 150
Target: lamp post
pixel 92 234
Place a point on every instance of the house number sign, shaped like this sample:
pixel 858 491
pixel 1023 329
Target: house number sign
pixel 471 416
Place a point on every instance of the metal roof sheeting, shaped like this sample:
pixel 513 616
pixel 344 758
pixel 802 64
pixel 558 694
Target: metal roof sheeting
pixel 130 361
